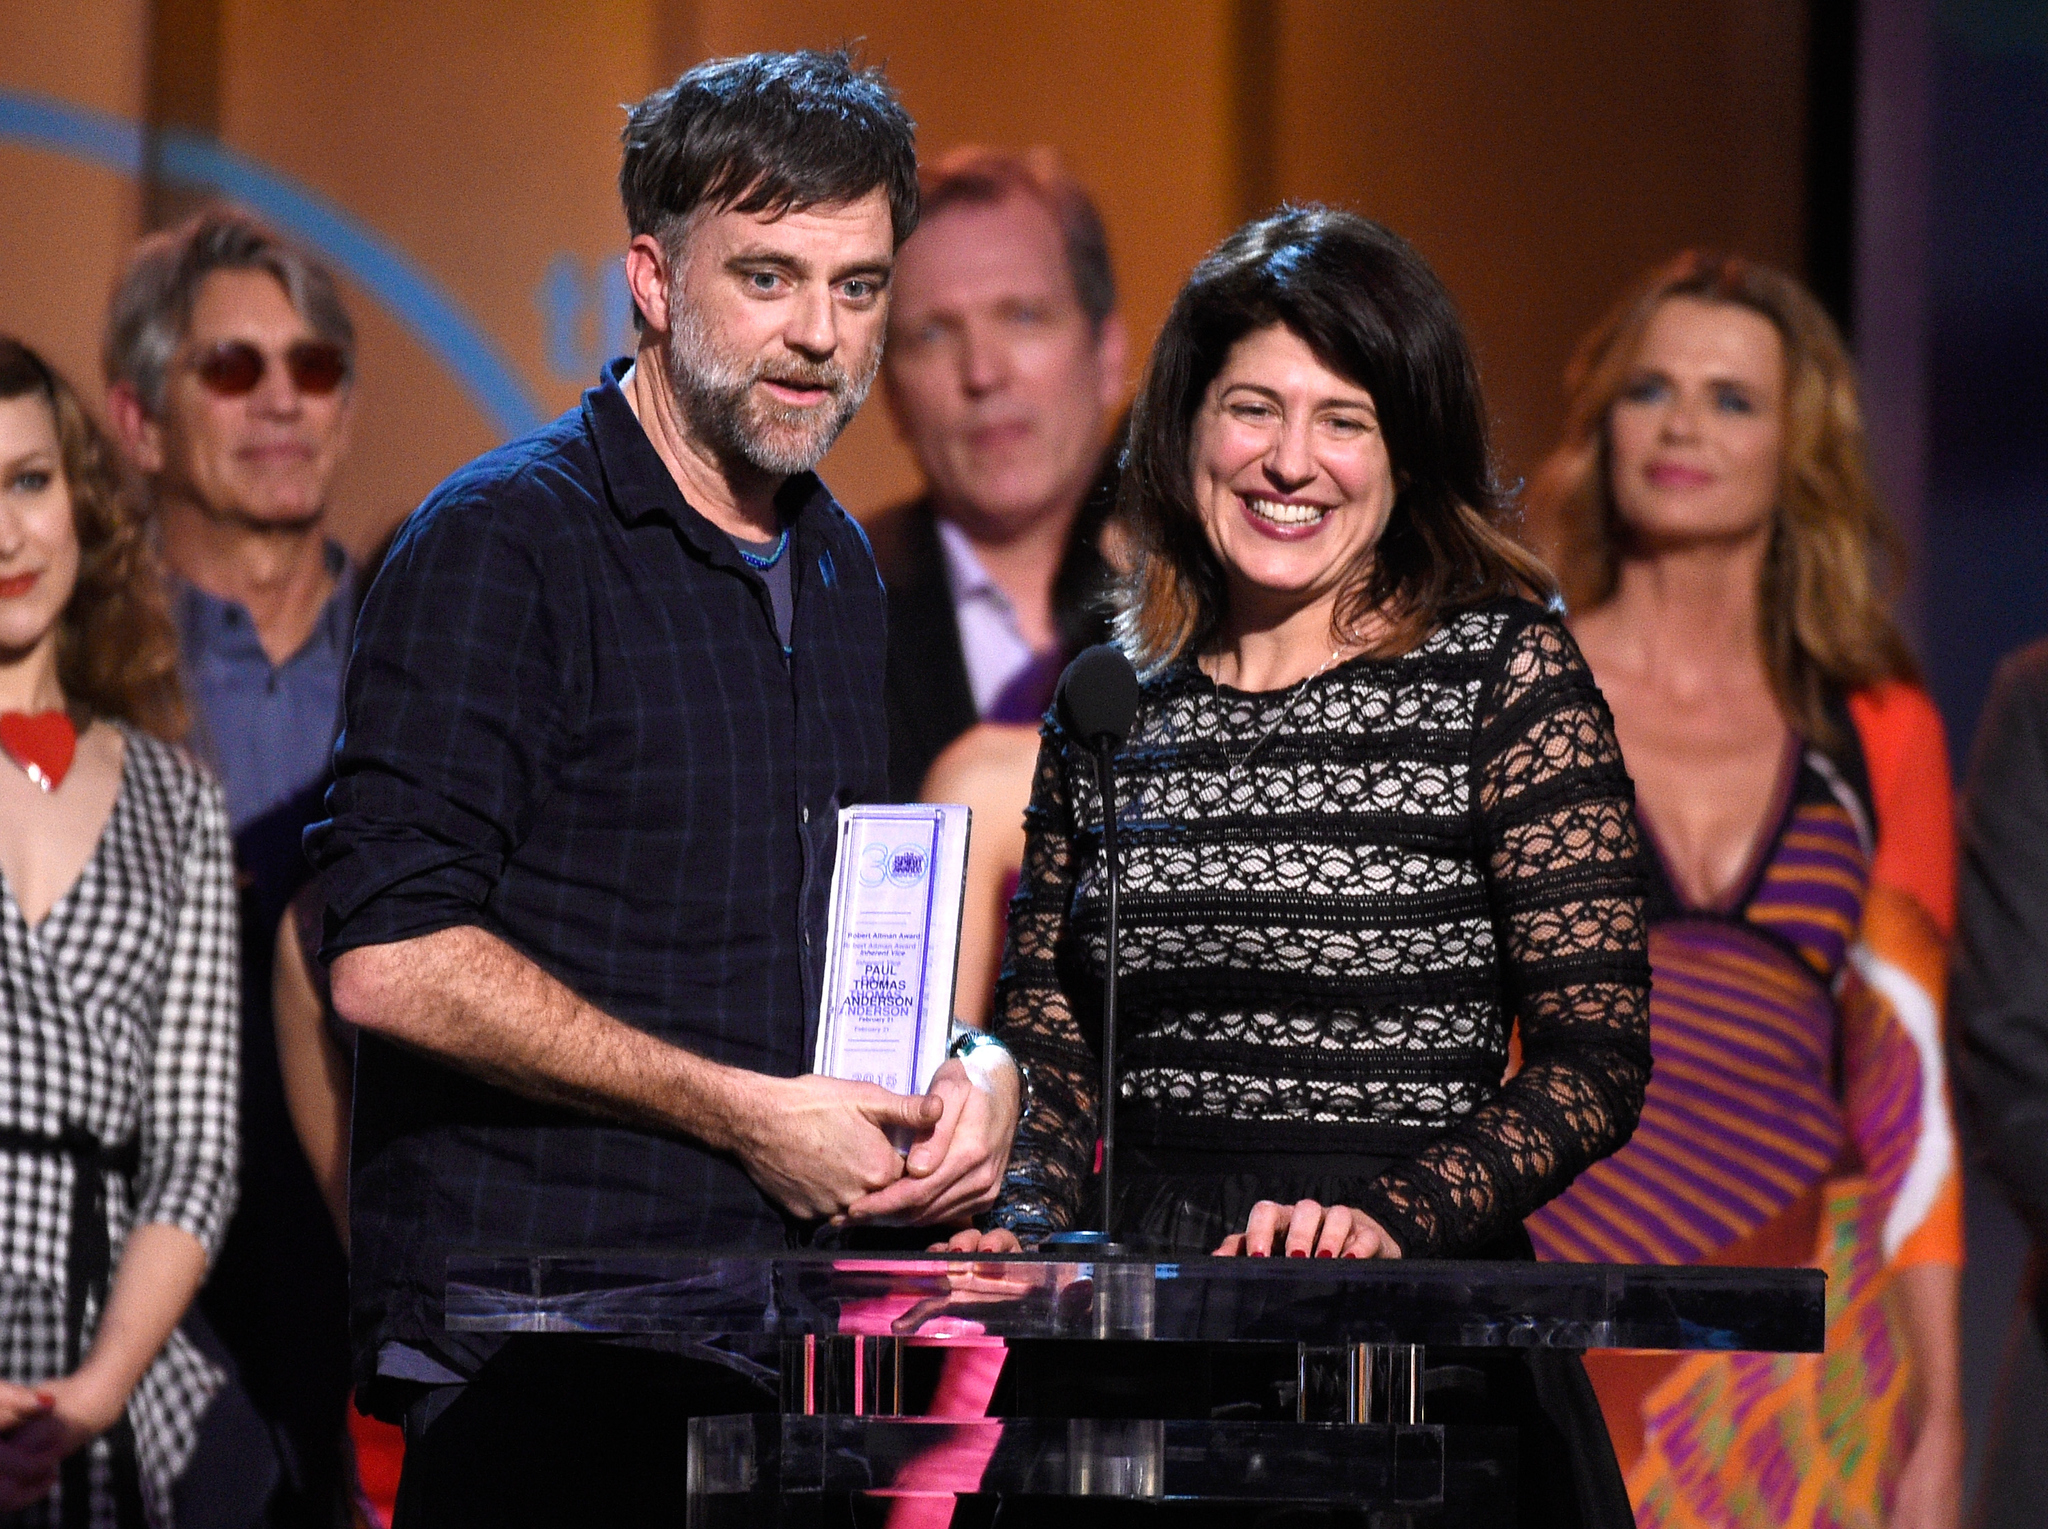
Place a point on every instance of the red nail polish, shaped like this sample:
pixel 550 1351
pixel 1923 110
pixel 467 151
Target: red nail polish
pixel 1325 1253
pixel 1296 1253
pixel 1262 1255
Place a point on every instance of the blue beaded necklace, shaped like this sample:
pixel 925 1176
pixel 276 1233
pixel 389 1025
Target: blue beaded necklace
pixel 766 559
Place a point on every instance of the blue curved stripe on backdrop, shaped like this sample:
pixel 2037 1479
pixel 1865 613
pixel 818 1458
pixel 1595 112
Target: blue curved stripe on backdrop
pixel 392 279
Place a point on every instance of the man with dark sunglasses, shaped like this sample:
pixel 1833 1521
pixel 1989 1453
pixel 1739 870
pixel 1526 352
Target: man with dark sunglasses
pixel 228 360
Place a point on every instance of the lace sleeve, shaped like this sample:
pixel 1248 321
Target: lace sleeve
pixel 1565 878
pixel 1054 1155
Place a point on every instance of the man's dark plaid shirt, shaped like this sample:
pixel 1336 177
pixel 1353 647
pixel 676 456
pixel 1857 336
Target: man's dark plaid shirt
pixel 568 721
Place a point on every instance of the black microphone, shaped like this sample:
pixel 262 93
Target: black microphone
pixel 1098 696
pixel 1096 700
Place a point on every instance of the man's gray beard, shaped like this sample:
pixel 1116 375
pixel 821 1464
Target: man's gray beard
pixel 715 393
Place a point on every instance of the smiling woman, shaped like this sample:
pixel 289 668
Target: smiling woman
pixel 1375 814
pixel 1291 479
pixel 1726 558
pixel 1316 299
pixel 118 1012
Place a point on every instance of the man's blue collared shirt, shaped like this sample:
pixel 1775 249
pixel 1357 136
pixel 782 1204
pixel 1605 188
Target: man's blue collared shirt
pixel 266 729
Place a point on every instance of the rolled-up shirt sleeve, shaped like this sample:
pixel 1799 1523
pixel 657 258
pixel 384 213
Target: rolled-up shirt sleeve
pixel 451 723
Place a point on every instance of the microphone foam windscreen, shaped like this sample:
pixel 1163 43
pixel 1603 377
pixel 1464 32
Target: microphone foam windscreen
pixel 1098 695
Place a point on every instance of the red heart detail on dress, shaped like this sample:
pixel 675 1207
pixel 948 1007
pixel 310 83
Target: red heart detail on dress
pixel 45 740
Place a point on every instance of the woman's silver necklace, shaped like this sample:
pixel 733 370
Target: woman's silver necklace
pixel 1232 766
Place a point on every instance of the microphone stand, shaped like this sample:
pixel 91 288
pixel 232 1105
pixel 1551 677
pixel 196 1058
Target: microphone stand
pixel 1097 700
pixel 1105 1241
pixel 1105 780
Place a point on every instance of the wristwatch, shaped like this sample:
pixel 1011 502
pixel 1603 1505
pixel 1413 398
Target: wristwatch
pixel 962 1040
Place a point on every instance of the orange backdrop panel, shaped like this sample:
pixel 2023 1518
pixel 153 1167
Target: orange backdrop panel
pixel 1539 152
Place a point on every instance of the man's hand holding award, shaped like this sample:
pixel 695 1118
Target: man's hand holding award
pixel 886 1017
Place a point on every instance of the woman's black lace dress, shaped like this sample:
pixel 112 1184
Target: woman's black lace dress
pixel 1338 901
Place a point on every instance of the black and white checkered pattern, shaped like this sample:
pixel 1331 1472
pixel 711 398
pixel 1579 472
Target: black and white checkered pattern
pixel 119 1015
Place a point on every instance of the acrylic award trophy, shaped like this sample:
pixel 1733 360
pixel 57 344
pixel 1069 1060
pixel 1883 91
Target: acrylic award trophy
pixel 892 945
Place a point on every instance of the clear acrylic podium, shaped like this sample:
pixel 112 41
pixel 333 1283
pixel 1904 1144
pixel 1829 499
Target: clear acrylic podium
pixel 1360 1333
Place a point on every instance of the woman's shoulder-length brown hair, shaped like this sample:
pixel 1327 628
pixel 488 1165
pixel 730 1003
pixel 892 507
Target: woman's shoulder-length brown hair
pixel 117 649
pixel 1373 312
pixel 1824 604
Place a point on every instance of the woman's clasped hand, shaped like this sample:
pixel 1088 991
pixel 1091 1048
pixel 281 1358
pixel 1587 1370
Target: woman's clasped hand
pixel 39 1427
pixel 30 1447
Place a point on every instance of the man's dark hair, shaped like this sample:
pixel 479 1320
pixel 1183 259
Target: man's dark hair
pixel 767 133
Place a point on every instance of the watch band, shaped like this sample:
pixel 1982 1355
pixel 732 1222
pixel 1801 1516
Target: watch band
pixel 964 1039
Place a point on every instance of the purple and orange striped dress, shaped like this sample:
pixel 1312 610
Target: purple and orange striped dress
pixel 1797 1115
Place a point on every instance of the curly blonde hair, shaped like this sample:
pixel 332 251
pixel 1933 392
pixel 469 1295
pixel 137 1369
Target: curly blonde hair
pixel 1825 601
pixel 117 649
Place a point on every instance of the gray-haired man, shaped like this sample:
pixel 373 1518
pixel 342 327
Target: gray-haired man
pixel 229 358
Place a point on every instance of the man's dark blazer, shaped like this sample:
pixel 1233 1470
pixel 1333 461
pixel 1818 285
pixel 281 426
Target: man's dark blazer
pixel 1998 999
pixel 929 697
pixel 1998 1022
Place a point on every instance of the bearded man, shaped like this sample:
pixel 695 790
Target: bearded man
pixel 608 694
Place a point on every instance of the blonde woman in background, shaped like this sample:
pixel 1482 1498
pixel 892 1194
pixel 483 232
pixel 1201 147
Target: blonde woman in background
pixel 1719 545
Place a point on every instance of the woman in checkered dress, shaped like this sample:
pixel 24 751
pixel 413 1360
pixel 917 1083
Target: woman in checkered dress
pixel 118 992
